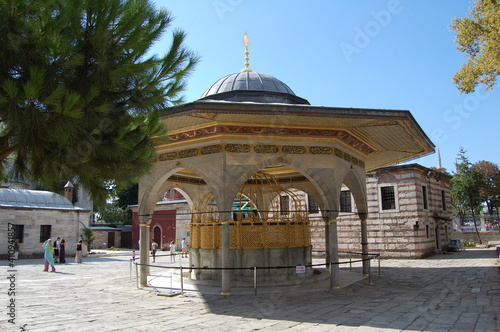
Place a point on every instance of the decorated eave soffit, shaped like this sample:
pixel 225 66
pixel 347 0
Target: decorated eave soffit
pixel 383 137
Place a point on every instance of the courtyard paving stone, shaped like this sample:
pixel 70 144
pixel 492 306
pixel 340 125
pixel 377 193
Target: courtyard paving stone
pixel 446 292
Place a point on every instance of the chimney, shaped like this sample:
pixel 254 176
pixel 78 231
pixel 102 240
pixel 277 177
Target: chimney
pixel 68 191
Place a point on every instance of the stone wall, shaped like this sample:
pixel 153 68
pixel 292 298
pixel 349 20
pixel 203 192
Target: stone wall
pixel 486 237
pixel 247 258
pixel 396 233
pixel 64 223
pixel 102 238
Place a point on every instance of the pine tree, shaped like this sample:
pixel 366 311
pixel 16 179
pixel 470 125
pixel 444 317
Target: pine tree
pixel 80 95
pixel 465 187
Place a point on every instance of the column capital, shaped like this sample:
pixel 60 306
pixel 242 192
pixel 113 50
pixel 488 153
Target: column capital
pixel 363 216
pixel 224 216
pixel 145 219
pixel 331 215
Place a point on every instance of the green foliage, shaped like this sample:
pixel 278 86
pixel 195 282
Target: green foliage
pixel 80 94
pixel 111 213
pixel 478 36
pixel 87 237
pixel 490 174
pixel 468 243
pixel 465 187
pixel 128 196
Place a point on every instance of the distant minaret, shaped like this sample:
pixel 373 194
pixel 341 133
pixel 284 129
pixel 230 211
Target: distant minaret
pixel 439 159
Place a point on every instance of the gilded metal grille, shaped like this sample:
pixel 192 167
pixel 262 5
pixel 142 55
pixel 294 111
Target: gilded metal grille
pixel 258 229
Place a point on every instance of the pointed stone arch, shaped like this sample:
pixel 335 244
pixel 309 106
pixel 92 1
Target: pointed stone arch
pixel 356 183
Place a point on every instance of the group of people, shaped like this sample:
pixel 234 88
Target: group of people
pixel 56 253
pixel 154 246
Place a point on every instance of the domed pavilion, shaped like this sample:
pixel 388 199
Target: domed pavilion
pixel 248 141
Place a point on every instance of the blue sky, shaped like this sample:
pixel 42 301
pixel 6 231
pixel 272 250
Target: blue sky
pixel 369 54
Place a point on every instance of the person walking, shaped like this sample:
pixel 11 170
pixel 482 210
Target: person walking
pixel 56 245
pixel 48 256
pixel 172 251
pixel 153 250
pixel 184 247
pixel 62 252
pixel 78 256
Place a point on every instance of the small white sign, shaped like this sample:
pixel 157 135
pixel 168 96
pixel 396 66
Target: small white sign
pixel 300 269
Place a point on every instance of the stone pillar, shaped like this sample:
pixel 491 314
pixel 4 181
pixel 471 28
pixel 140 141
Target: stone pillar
pixel 334 255
pixel 144 249
pixel 226 274
pixel 364 244
pixel 327 241
pixel 334 250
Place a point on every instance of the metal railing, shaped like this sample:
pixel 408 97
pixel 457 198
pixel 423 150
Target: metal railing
pixel 256 268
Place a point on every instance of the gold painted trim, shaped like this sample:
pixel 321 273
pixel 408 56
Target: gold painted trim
pixel 363 222
pixel 260 149
pixel 226 293
pixel 336 287
pixel 366 275
pixel 143 224
pixel 333 221
pixel 146 285
pixel 229 128
pixel 224 222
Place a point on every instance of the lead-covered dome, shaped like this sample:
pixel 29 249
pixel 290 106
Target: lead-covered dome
pixel 254 87
pixel 20 198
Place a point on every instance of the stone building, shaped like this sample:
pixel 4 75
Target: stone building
pixel 408 228
pixel 106 237
pixel 35 216
pixel 250 136
pixel 170 221
pixel 409 213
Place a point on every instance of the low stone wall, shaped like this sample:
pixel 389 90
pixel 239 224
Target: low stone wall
pixel 101 239
pixel 493 236
pixel 209 258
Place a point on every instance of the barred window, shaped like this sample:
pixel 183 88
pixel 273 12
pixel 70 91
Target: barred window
pixel 312 205
pixel 19 232
pixel 284 205
pixel 388 198
pixel 345 201
pixel 443 200
pixel 424 197
pixel 45 232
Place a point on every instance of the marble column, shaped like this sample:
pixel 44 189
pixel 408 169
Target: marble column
pixel 327 241
pixel 226 274
pixel 364 244
pixel 334 251
pixel 144 250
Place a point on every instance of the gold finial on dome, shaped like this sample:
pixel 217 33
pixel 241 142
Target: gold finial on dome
pixel 246 43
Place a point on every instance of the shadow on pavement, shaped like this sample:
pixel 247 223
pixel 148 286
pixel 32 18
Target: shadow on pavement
pixel 401 297
pixel 469 253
